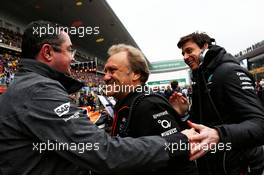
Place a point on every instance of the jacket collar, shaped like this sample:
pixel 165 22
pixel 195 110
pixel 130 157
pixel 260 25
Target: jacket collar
pixel 128 99
pixel 30 65
pixel 215 56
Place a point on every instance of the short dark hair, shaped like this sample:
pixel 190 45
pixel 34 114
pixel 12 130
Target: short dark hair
pixel 199 38
pixel 174 84
pixel 32 40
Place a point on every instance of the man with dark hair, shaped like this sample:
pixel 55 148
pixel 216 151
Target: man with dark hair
pixel 260 92
pixel 224 99
pixel 137 112
pixel 35 38
pixel 42 132
pixel 174 88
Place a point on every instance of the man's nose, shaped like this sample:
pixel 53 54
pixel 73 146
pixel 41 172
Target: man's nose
pixel 107 76
pixel 185 56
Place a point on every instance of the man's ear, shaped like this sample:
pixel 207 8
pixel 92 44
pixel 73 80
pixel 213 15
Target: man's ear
pixel 46 52
pixel 136 76
pixel 205 46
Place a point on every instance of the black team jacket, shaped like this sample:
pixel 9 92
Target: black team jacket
pixel 142 113
pixel 224 97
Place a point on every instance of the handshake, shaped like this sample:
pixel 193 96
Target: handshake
pixel 202 140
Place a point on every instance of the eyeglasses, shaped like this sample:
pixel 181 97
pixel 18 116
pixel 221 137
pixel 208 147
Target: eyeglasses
pixel 70 50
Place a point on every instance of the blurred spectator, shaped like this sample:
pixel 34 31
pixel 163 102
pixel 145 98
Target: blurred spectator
pixel 260 92
pixel 91 79
pixel 190 94
pixel 8 67
pixel 174 88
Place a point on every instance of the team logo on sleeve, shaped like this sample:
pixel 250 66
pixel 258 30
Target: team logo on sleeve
pixel 245 81
pixel 169 132
pixel 164 123
pixel 62 109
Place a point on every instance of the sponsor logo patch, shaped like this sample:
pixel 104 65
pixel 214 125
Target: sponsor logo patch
pixel 155 116
pixel 75 115
pixel 164 123
pixel 169 132
pixel 62 109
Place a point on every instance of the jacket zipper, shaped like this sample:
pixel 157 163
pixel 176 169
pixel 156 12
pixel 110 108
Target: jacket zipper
pixel 224 163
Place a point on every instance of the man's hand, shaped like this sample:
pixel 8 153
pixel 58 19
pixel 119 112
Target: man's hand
pixel 179 103
pixel 207 139
pixel 189 132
